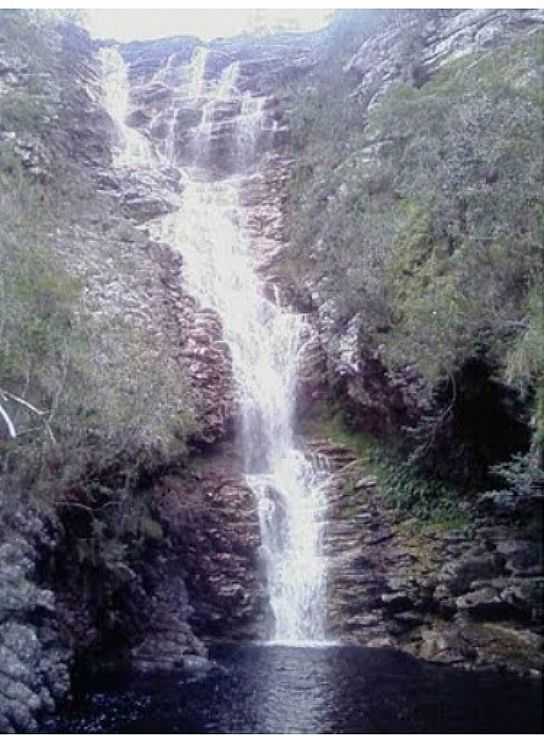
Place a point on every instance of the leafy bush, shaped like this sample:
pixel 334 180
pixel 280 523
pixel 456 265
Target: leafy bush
pixel 466 172
pixel 523 473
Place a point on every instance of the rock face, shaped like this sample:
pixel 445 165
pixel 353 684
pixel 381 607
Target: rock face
pixel 389 57
pixel 170 107
pixel 47 622
pixel 200 351
pixel 471 597
pixel 211 517
pixel 34 658
pixel 169 639
pixel 453 597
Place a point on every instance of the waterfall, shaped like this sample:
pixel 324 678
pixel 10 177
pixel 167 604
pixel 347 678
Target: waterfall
pixel 209 229
pixel 133 148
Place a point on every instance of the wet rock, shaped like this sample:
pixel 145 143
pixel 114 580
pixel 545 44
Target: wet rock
pixel 485 603
pixel 458 575
pixel 213 521
pixel 34 658
pixel 450 596
pixel 510 504
pixel 519 556
pixel 446 646
pixel 396 602
pixel 368 481
pixel 526 596
pixel 170 642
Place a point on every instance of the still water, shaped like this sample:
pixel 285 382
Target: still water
pixel 275 689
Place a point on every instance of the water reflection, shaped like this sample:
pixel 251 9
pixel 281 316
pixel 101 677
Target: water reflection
pixel 291 698
pixel 276 689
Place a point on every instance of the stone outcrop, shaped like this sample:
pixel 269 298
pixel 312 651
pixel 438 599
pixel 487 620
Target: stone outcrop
pixel 169 643
pixel 34 658
pixel 262 195
pixel 421 42
pixel 177 70
pixel 211 517
pixel 200 350
pixel 133 280
pixel 471 597
pixel 379 400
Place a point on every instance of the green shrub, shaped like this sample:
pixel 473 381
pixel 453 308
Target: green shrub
pixel 523 473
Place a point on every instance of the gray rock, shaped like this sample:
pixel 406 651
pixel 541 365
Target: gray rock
pixel 520 556
pixel 397 602
pixel 483 603
pixel 446 645
pixel 368 481
pixel 526 596
pixel 458 575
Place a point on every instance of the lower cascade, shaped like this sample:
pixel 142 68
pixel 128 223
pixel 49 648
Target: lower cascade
pixel 265 338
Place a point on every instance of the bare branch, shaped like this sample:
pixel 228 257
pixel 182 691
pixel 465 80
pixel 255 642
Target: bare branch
pixel 39 412
pixel 77 505
pixel 49 431
pixel 21 401
pixel 11 429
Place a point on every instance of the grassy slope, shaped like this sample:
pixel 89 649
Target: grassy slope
pixel 429 221
pixel 113 404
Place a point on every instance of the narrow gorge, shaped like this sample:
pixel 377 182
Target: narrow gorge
pixel 271 425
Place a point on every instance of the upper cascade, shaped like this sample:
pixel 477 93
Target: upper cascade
pixel 133 148
pixel 201 118
pixel 188 113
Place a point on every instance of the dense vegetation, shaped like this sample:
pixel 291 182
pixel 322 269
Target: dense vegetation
pixel 90 404
pixel 426 220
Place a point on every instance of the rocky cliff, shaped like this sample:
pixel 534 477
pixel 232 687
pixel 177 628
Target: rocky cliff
pixel 403 51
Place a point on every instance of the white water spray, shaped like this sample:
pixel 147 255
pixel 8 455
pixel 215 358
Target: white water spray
pixel 209 229
pixel 133 149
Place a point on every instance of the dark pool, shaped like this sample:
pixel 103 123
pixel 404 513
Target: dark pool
pixel 271 689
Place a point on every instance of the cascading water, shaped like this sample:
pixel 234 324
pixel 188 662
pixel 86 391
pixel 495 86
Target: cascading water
pixel 134 149
pixel 265 341
pixel 209 229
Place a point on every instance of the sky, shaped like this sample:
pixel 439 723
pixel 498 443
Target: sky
pixel 134 25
